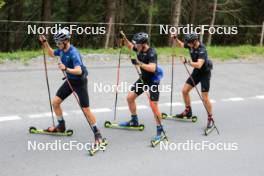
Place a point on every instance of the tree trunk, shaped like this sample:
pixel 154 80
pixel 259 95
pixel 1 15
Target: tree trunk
pixel 193 11
pixel 111 15
pixel 150 17
pixel 209 40
pixel 10 3
pixel 176 14
pixel 262 35
pixel 46 10
pixel 18 13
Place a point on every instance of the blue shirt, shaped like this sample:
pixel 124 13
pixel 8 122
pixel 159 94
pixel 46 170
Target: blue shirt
pixel 70 59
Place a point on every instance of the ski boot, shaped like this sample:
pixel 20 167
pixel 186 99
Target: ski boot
pixel 186 115
pixel 159 137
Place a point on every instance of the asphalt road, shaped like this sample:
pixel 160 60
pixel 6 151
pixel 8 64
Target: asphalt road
pixel 236 91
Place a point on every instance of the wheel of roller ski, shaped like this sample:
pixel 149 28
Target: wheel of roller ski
pixel 141 127
pixel 69 132
pixel 205 132
pixel 107 124
pixel 152 144
pixel 91 152
pixel 194 119
pixel 164 115
pixel 32 129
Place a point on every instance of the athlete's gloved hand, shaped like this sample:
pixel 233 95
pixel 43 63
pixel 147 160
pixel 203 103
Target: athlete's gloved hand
pixel 42 39
pixel 122 35
pixel 184 60
pixel 173 36
pixel 62 67
pixel 134 62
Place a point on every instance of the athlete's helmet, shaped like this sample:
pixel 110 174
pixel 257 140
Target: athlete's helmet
pixel 188 38
pixel 140 38
pixel 62 35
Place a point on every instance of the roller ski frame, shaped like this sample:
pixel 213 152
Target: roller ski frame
pixel 207 131
pixel 186 119
pixel 108 124
pixel 97 147
pixel 155 142
pixel 34 130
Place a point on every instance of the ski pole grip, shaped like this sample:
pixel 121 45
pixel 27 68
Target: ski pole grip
pixel 122 34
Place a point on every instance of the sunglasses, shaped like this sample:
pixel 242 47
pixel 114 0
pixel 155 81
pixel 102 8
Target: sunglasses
pixel 59 43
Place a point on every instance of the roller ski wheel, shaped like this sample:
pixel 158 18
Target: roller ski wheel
pixel 34 130
pixel 164 115
pixel 108 124
pixel 97 147
pixel 156 140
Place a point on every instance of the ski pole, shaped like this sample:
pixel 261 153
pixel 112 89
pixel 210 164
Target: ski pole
pixel 189 73
pixel 76 97
pixel 47 82
pixel 172 76
pixel 152 105
pixel 117 81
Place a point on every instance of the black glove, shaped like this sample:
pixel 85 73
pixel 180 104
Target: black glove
pixel 187 61
pixel 134 61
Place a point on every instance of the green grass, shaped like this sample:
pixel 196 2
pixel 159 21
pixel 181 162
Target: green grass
pixel 215 52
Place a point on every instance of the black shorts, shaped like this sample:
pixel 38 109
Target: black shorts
pixel 79 86
pixel 203 77
pixel 153 87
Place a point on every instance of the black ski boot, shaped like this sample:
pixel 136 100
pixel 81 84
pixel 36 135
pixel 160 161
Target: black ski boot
pixel 186 113
pixel 59 128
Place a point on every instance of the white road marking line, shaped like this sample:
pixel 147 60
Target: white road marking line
pixel 42 115
pixel 138 107
pixel 8 118
pixel 142 107
pixel 173 104
pixel 94 110
pixel 259 97
pixel 122 108
pixel 233 99
pixel 197 102
pixel 101 110
pixel 126 107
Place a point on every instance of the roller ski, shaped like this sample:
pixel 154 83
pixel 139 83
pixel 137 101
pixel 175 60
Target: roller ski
pixel 210 127
pixel 186 115
pixel 159 137
pixel 130 125
pixel 59 130
pixel 99 144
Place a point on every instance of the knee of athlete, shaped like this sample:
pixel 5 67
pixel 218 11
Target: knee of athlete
pixel 185 91
pixel 130 99
pixel 206 98
pixel 55 103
